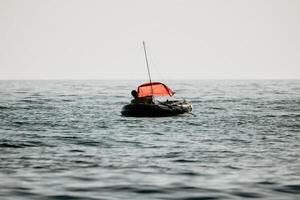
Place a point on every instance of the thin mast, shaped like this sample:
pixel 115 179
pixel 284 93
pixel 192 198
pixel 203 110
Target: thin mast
pixel 148 66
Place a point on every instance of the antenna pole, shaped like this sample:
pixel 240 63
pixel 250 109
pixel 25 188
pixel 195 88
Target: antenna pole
pixel 147 61
pixel 147 66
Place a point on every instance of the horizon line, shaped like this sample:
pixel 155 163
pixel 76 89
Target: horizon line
pixel 116 79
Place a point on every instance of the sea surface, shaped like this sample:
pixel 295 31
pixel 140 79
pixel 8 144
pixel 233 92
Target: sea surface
pixel 66 140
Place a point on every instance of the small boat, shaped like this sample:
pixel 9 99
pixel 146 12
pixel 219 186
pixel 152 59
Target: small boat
pixel 144 104
pixel 142 108
pixel 164 109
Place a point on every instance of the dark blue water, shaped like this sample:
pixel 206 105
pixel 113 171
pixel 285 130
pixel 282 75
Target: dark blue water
pixel 67 140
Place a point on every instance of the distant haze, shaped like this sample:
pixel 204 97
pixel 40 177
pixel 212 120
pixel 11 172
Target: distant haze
pixel 186 39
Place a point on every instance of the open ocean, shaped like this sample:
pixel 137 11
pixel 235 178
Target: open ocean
pixel 66 140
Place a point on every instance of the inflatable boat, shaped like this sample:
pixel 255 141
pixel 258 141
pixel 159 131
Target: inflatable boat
pixel 159 109
pixel 144 105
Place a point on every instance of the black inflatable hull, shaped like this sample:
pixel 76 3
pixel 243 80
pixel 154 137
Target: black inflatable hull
pixel 155 110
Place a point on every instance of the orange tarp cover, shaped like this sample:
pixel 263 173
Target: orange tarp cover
pixel 157 89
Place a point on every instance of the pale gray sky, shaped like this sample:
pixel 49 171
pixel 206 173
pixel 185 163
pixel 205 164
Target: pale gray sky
pixel 186 39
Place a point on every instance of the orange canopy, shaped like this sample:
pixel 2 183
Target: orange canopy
pixel 154 89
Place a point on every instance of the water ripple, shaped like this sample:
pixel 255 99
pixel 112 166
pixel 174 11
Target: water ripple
pixel 67 140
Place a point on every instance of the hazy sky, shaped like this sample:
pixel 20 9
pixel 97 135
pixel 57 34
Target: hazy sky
pixel 102 39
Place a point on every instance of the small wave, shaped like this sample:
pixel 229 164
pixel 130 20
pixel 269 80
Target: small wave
pixel 69 197
pixel 292 189
pixel 189 173
pixel 200 198
pixel 185 161
pixel 267 183
pixel 25 193
pixel 76 150
pixel 67 100
pixel 290 116
pixel 172 154
pixel 93 144
pixel 84 164
pixel 131 143
pixel 149 191
pixel 216 108
pixel 248 194
pixel 20 123
pixel 81 141
pixel 21 92
pixel 67 95
pixel 32 101
pixel 10 144
pixel 4 108
pixel 102 126
pixel 233 167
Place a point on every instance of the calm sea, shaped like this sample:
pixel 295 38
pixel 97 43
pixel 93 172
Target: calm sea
pixel 66 140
